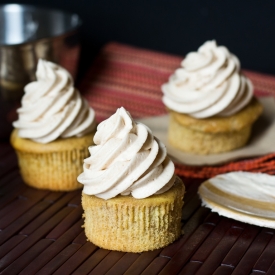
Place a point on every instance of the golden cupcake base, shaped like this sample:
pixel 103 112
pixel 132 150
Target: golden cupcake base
pixel 215 134
pixel 127 224
pixel 53 166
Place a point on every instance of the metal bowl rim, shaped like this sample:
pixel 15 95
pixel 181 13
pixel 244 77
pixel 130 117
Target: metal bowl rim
pixel 68 32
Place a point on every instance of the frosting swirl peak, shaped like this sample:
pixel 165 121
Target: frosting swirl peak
pixel 52 107
pixel 208 83
pixel 127 159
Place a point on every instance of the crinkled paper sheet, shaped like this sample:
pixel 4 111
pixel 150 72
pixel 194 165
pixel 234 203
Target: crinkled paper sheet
pixel 262 139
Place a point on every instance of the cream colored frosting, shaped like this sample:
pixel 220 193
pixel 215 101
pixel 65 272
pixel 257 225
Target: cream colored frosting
pixel 208 83
pixel 127 159
pixel 52 107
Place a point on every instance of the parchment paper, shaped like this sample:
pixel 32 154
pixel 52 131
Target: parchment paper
pixel 262 139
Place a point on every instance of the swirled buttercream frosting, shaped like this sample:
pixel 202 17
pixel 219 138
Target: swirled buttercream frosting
pixel 208 83
pixel 52 107
pixel 127 159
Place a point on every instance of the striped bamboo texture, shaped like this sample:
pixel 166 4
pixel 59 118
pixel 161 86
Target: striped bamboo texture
pixel 41 233
pixel 131 77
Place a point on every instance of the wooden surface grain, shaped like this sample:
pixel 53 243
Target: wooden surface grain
pixel 41 233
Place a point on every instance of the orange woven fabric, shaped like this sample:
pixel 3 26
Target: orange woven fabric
pixel 126 76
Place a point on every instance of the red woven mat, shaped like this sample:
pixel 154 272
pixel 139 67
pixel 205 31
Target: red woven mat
pixel 41 233
pixel 131 77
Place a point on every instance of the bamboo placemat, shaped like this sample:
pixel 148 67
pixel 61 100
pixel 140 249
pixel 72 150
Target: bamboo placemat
pixel 131 77
pixel 41 231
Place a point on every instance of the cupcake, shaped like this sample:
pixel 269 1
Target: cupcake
pixel 54 129
pixel 211 103
pixel 131 198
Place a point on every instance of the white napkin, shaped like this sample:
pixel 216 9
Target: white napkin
pixel 262 139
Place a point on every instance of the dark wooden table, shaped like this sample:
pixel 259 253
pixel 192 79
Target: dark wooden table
pixel 41 233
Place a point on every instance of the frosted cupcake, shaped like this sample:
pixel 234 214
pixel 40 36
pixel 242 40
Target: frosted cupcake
pixel 131 198
pixel 54 128
pixel 211 103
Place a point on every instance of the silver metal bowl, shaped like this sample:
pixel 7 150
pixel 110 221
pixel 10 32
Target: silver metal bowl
pixel 28 33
